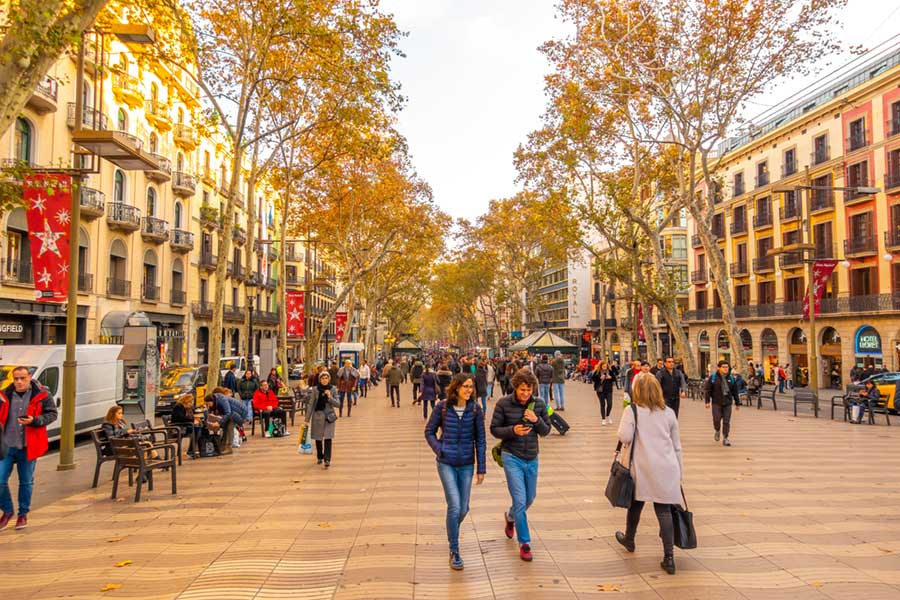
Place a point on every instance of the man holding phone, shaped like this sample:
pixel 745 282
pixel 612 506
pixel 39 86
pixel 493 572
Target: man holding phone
pixel 518 420
pixel 25 411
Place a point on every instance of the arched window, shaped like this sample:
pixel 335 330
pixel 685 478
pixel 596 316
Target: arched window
pixel 150 289
pixel 151 202
pixel 119 186
pixel 178 211
pixel 747 343
pixel 118 260
pixel 24 140
pixel 83 257
pixel 154 143
pixel 122 120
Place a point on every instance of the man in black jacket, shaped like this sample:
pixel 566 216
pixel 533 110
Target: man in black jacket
pixel 518 420
pixel 672 383
pixel 721 392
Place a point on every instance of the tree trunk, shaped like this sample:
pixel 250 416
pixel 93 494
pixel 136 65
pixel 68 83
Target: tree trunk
pixel 250 268
pixel 683 347
pixel 282 283
pixel 649 337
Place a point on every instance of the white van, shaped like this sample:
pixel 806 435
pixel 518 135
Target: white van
pixel 98 379
pixel 241 362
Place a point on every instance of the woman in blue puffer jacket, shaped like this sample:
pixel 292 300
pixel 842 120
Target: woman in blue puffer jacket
pixel 461 444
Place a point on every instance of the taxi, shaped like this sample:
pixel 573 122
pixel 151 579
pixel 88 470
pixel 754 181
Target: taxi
pixel 174 382
pixel 887 387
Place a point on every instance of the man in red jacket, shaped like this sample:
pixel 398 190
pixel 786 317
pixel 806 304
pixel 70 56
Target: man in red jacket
pixel 25 411
pixel 265 402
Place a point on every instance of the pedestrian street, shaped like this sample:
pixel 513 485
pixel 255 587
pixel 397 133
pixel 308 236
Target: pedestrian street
pixel 797 508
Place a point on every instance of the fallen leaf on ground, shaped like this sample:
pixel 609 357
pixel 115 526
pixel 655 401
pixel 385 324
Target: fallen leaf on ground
pixel 113 540
pixel 816 584
pixel 325 525
pixel 123 563
pixel 609 587
pixel 110 586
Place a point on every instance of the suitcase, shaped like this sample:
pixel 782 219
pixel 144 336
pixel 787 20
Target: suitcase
pixel 559 423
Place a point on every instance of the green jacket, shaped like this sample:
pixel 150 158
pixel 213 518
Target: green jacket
pixel 247 387
pixel 559 370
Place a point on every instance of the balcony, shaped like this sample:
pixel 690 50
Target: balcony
pixel 209 217
pixel 892 238
pixel 719 232
pixel 17 272
pixel 208 261
pixel 703 314
pixel 695 241
pixel 183 184
pixel 93 203
pixel 791 260
pixel 155 230
pixel 238 236
pixel 739 227
pixel 855 196
pixel 118 147
pixel 118 287
pixel 127 90
pixel 789 212
pixel 181 241
pixel 150 293
pixel 762 219
pixel 789 168
pixel 202 310
pixel 699 276
pixel 158 115
pixel 857 141
pixel 177 297
pixel 123 217
pixel 744 311
pixel 762 179
pixel 233 313
pixel 236 270
pixel 185 137
pixel 738 189
pixel 85 282
pixel 292 279
pixel 239 200
pixel 860 246
pixel 209 178
pixel 43 98
pixel 739 269
pixel 892 180
pixel 763 264
pixel 163 172
pixel 778 309
pixel 271 283
pixel 265 317
pixel 90 118
pixel 892 127
pixel 820 155
pixel 821 201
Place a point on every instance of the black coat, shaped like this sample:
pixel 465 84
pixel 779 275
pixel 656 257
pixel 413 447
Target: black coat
pixel 712 390
pixel 671 383
pixel 480 383
pixel 507 414
pixel 603 386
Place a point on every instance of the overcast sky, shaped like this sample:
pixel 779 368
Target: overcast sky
pixel 473 77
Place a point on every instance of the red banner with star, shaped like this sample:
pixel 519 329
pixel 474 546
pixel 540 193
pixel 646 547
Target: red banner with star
pixel 296 322
pixel 48 197
pixel 340 324
pixel 822 270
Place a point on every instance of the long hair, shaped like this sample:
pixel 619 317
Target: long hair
pixel 646 392
pixel 457 382
pixel 111 414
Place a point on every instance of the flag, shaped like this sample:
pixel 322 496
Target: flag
pixel 340 323
pixel 48 197
pixel 296 326
pixel 822 270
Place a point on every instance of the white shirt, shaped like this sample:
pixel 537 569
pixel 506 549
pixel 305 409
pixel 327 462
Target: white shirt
pixel 364 372
pixel 490 373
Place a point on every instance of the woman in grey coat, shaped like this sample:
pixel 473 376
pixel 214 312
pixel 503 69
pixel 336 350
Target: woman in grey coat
pixel 657 468
pixel 322 417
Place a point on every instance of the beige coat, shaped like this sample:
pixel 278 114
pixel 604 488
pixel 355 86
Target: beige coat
pixel 657 468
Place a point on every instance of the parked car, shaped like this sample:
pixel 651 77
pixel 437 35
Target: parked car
pixel 887 387
pixel 174 382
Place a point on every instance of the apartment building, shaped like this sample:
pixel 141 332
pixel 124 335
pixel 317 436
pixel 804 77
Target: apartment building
pixel 563 300
pixel 845 135
pixel 150 208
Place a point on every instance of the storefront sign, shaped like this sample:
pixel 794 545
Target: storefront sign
pixel 868 341
pixel 11 330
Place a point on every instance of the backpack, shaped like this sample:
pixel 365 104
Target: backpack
pixel 278 428
pixel 208 447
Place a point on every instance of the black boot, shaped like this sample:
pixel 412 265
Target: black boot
pixel 623 539
pixel 668 564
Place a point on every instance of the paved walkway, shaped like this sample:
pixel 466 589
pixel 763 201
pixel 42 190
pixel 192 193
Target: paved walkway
pixel 798 508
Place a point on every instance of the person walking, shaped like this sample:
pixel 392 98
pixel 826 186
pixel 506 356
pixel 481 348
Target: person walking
pixel 481 384
pixel 444 377
pixel 25 411
pixel 322 418
pixel 559 380
pixel 518 420
pixel 672 383
pixel 364 374
pixel 657 468
pixel 247 387
pixel 544 373
pixel 231 379
pixel 603 387
pixel 491 378
pixel 720 392
pixel 415 374
pixel 404 368
pixel 347 380
pixel 461 445
pixel 430 390
pixel 394 379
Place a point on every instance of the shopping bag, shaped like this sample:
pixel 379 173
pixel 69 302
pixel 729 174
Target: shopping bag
pixel 303 438
pixel 855 412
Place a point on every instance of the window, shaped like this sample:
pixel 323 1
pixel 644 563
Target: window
pixel 118 256
pixel 204 291
pixel 738 184
pixel 739 219
pixel 790 162
pixel 83 255
pixel 765 292
pixel 763 245
pixel 741 255
pixel 892 176
pixel 793 289
pixel 718 225
pixel 700 299
pixel 177 275
pixel 742 295
pixel 122 120
pixel 179 163
pixel 154 91
pixel 234 297
pixel 863 282
pixel 858 175
pixel 178 215
pixel 154 143
pixel 679 246
pixel 119 186
pixel 49 378
pixel 822 198
pixel 151 202
pixel 823 240
pixel 820 149
pixel 791 237
pixel 701 263
pixel 23 141
pixel 857 134
pixel 149 278
pixel 894 123
pixel 762 173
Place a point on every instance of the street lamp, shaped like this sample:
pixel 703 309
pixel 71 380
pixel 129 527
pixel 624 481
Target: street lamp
pixel 808 250
pixel 250 286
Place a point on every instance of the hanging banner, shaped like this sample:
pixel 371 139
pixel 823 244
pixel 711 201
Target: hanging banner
pixel 340 323
pixel 48 197
pixel 822 270
pixel 640 320
pixel 296 322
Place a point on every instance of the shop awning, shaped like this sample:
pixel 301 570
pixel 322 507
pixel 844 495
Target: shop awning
pixel 544 341
pixel 114 323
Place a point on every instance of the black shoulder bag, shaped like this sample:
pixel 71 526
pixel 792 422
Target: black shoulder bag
pixel 620 487
pixel 683 521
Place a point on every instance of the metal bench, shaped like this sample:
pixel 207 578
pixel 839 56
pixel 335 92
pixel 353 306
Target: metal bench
pixel 802 396
pixel 765 392
pixel 104 452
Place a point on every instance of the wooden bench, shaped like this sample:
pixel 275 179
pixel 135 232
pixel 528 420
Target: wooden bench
pixel 802 396
pixel 104 452
pixel 134 455
pixel 169 434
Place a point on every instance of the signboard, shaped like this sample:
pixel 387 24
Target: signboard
pixel 11 330
pixel 296 321
pixel 340 324
pixel 49 200
pixel 579 292
pixel 868 341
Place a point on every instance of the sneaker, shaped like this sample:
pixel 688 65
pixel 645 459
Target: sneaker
pixel 609 420
pixel 456 563
pixel 603 422
pixel 267 434
pixel 525 553
pixel 623 539
pixel 726 442
pixel 510 527
pixel 717 436
pixel 319 462
pixel 668 564
pixel 5 519
pixel 327 463
pixel 22 522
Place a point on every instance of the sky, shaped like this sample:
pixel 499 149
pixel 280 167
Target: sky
pixel 473 77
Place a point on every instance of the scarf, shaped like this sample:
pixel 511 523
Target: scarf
pixel 322 401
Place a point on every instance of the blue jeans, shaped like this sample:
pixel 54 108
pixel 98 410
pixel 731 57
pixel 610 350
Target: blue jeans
pixel 544 391
pixel 25 467
pixel 484 403
pixel 248 406
pixel 490 389
pixel 559 390
pixel 457 482
pixel 521 480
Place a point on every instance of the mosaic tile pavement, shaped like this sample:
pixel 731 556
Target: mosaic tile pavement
pixel 798 508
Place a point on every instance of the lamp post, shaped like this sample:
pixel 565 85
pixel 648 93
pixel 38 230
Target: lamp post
pixel 250 285
pixel 808 249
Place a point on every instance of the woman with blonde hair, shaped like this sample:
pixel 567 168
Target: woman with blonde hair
pixel 657 468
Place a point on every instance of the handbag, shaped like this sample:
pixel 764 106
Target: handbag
pixel 620 486
pixel 330 416
pixel 683 523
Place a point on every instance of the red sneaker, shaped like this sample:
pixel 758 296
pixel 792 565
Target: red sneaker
pixel 510 527
pixel 22 522
pixel 525 553
pixel 4 520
